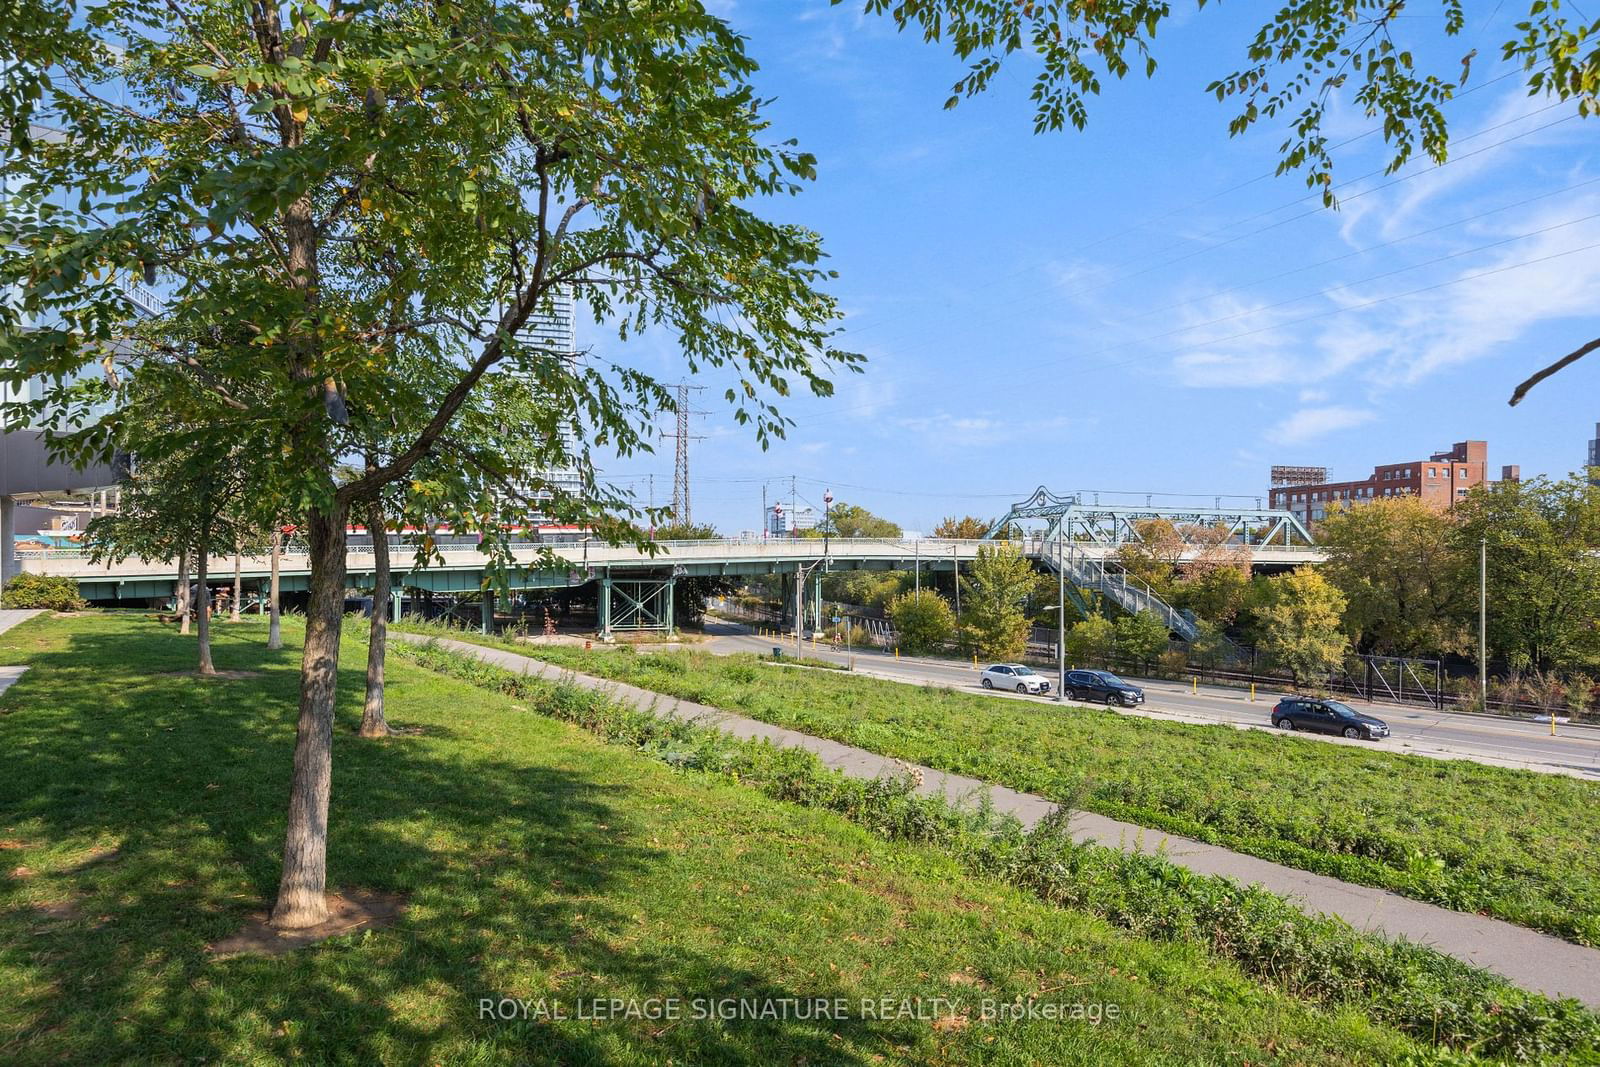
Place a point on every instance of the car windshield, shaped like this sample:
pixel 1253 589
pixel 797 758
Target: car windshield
pixel 1018 670
pixel 1109 678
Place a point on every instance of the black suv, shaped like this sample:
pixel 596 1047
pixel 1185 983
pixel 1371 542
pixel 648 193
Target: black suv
pixel 1327 717
pixel 1102 686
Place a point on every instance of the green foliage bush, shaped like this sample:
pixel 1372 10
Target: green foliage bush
pixel 1425 994
pixel 924 621
pixel 43 591
pixel 1091 641
pixel 1141 637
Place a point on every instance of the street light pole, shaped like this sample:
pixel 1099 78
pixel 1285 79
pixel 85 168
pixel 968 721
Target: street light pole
pixel 1061 618
pixel 827 522
pixel 1483 622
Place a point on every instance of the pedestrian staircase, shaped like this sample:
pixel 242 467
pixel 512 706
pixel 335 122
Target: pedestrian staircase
pixel 1126 591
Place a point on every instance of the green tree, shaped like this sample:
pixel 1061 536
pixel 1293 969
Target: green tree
pixel 677 531
pixel 1093 640
pixel 992 602
pixel 191 501
pixel 853 520
pixel 1301 628
pixel 966 528
pixel 1543 573
pixel 869 589
pixel 923 620
pixel 1141 637
pixel 1155 557
pixel 1208 647
pixel 1396 561
pixel 1217 595
pixel 320 180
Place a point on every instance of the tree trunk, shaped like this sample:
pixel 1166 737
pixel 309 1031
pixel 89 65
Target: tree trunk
pixel 373 724
pixel 238 587
pixel 302 897
pixel 274 620
pixel 183 591
pixel 203 611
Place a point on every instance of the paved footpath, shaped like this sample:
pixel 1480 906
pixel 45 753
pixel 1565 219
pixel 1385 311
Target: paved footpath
pixel 1532 960
pixel 8 619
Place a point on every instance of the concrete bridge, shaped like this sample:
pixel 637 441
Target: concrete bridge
pixel 640 582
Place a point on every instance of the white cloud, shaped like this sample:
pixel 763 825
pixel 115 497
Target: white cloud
pixel 1307 424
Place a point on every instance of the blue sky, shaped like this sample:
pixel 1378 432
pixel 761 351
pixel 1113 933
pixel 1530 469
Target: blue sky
pixel 1142 307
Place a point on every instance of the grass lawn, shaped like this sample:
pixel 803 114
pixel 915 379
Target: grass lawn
pixel 141 816
pixel 1514 844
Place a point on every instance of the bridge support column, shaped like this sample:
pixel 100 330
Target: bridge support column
pixel 8 541
pixel 672 606
pixel 486 607
pixel 395 600
pixel 605 609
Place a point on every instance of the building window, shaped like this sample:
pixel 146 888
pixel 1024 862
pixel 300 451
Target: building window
pixel 1433 472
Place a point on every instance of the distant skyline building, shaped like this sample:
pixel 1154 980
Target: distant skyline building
pixel 553 328
pixel 1594 454
pixel 1444 478
pixel 785 521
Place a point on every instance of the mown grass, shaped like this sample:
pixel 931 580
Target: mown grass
pixel 141 819
pixel 1513 844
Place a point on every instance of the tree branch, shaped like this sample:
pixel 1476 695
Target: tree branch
pixel 1565 361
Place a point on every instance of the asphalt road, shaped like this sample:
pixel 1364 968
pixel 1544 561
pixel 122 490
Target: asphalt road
pixel 1575 750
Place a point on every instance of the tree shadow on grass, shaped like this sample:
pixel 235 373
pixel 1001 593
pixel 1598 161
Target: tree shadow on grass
pixel 512 867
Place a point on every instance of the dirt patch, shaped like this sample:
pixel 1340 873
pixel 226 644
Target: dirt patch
pixel 225 676
pixel 397 731
pixel 58 909
pixel 354 910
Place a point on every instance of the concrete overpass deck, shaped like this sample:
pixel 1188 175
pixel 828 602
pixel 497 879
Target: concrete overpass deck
pixel 555 566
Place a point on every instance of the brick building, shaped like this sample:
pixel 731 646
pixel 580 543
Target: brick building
pixel 1443 477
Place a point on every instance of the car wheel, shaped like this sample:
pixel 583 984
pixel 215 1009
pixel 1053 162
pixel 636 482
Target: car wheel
pixel 1352 732
pixel 1022 687
pixel 1285 724
pixel 1072 694
pixel 988 684
pixel 1111 698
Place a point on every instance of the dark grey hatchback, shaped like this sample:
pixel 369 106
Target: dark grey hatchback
pixel 1327 717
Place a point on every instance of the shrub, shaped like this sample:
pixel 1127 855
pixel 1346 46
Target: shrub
pixel 1091 641
pixel 43 591
pixel 1141 637
pixel 1172 663
pixel 924 620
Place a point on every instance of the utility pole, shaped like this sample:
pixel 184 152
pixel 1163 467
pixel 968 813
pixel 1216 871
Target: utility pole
pixel 1061 617
pixel 955 571
pixel 1483 625
pixel 680 466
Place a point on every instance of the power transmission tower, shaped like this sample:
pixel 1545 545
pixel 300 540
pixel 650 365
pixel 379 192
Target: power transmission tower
pixel 680 467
